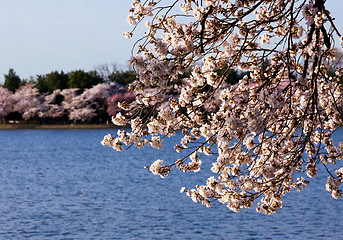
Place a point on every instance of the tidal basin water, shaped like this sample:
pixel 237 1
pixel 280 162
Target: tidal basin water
pixel 63 184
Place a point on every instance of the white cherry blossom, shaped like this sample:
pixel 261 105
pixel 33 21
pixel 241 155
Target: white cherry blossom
pixel 274 123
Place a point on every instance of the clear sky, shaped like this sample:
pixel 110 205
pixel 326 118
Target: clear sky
pixel 40 36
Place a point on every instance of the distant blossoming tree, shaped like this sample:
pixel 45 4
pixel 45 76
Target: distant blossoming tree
pixel 118 98
pixel 83 107
pixel 5 103
pixel 28 102
pixel 52 107
pixel 275 124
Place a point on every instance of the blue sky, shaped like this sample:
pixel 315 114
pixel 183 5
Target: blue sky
pixel 40 36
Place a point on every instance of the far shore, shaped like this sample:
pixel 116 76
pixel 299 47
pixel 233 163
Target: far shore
pixel 55 126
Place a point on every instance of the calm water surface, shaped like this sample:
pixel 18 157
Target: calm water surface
pixel 62 184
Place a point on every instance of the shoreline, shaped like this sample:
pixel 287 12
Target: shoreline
pixel 55 126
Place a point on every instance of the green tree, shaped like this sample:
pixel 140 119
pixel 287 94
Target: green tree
pixel 12 80
pixel 122 77
pixel 233 75
pixel 24 82
pixel 56 80
pixel 41 83
pixel 81 79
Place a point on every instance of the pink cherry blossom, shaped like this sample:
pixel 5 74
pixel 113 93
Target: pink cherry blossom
pixel 274 124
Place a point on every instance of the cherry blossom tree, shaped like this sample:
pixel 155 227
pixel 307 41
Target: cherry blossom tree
pixel 119 97
pixel 272 131
pixel 6 105
pixel 53 107
pixel 28 102
pixel 90 103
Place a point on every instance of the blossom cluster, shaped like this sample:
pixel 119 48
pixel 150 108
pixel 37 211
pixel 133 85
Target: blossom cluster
pixel 277 121
pixel 67 103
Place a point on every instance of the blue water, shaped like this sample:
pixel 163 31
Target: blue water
pixel 62 184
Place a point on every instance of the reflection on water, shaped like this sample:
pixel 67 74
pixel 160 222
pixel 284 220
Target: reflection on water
pixel 62 184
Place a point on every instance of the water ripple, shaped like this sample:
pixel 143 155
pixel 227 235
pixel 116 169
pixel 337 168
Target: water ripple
pixel 62 184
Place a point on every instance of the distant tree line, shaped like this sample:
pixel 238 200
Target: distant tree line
pixel 80 79
pixel 58 97
pixel 94 105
